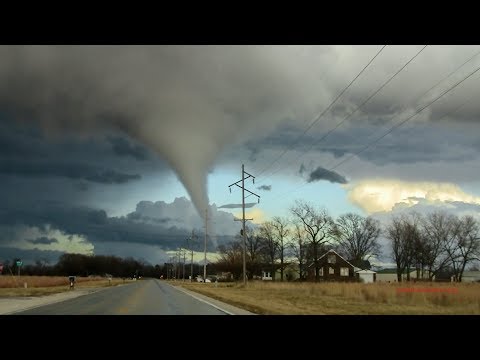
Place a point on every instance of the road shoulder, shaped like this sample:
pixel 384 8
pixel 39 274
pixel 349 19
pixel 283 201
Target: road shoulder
pixel 227 308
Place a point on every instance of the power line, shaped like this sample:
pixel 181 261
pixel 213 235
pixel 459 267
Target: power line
pixel 404 121
pixel 322 113
pixel 399 124
pixel 353 112
pixel 421 97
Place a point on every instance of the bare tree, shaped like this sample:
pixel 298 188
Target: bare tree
pixel 439 230
pixel 357 237
pixel 254 244
pixel 464 247
pixel 297 245
pixel 254 248
pixel 403 233
pixel 281 232
pixel 231 258
pixel 269 245
pixel 317 225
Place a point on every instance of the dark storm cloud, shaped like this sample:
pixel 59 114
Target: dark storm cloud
pixel 265 187
pixel 176 100
pixel 146 225
pixel 94 224
pixel 81 186
pixel 135 216
pixel 30 256
pixel 323 174
pixel 122 147
pixel 237 206
pixel 43 240
pixel 154 93
pixel 68 170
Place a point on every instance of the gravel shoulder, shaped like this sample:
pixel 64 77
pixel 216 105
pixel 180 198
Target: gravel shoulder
pixel 11 305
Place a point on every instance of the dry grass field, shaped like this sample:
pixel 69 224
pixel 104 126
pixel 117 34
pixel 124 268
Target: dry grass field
pixel 45 285
pixel 345 298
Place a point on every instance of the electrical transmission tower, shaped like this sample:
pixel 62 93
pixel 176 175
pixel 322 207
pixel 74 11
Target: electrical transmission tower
pixel 243 216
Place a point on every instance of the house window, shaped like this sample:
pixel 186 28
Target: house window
pixel 344 271
pixel 320 272
pixel 332 259
pixel 331 270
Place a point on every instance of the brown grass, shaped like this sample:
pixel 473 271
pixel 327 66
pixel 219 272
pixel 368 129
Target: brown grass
pixel 346 298
pixel 46 285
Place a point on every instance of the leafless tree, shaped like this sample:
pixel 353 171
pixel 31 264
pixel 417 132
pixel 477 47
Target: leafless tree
pixel 254 249
pixel 269 245
pixel 464 247
pixel 317 225
pixel 357 237
pixel 297 245
pixel 404 232
pixel 231 258
pixel 253 241
pixel 439 230
pixel 280 226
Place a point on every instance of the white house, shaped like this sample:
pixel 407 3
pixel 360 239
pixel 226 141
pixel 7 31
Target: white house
pixel 365 276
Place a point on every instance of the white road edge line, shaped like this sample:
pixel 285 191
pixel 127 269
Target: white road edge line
pixel 202 300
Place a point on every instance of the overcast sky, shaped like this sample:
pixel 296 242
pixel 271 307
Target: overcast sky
pixel 119 149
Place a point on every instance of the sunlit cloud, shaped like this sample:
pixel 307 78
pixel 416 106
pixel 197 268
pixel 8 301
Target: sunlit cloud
pixel 30 238
pixel 256 214
pixel 382 194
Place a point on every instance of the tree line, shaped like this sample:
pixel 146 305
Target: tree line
pixel 86 265
pixel 431 244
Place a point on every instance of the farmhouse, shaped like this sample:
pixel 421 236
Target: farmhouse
pixel 333 267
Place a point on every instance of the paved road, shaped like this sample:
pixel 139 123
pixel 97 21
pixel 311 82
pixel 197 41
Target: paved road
pixel 145 297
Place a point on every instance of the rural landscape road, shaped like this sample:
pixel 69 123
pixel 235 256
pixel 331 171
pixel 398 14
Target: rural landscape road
pixel 146 297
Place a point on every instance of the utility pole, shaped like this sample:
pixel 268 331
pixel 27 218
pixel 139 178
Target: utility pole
pixel 184 253
pixel 243 216
pixel 191 261
pixel 205 249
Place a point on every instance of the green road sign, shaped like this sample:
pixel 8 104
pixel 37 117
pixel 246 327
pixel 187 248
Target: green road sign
pixel 19 263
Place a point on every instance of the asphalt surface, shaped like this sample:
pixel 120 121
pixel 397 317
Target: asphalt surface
pixel 145 297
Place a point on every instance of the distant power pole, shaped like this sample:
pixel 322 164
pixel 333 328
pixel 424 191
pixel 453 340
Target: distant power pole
pixel 184 254
pixel 205 249
pixel 191 249
pixel 243 216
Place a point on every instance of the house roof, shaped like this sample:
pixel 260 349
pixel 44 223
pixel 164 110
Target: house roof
pixel 333 251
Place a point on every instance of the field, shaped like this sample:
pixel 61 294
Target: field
pixel 45 285
pixel 345 298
